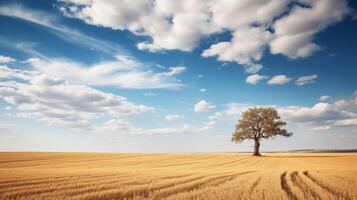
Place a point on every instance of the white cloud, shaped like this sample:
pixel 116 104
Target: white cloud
pixel 232 111
pixel 171 25
pixel 7 74
pixel 174 71
pixel 248 41
pixel 56 101
pixel 203 90
pixel 279 80
pixel 296 46
pixel 306 79
pixel 346 104
pixel 203 106
pixel 294 32
pixel 288 30
pixel 255 78
pixel 18 11
pixel 6 59
pixel 245 48
pixel 235 109
pixel 317 113
pixel 321 116
pixel 324 98
pixel 252 68
pixel 340 113
pixel 124 72
pixel 174 117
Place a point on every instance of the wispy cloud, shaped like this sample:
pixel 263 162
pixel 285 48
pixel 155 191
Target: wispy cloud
pixel 324 98
pixel 26 47
pixel 54 25
pixel 303 80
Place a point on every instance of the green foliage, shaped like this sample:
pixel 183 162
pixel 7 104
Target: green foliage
pixel 257 123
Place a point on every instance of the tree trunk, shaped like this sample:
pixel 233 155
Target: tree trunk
pixel 256 147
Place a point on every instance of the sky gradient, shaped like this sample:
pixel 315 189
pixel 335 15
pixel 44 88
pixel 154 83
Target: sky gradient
pixel 175 76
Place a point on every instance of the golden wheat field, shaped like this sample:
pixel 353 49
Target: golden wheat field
pixel 178 176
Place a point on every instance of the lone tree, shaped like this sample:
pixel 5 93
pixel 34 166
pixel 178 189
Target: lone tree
pixel 258 123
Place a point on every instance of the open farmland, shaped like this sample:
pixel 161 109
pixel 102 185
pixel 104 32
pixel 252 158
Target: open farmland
pixel 178 176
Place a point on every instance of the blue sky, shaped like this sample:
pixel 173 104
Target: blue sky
pixel 160 76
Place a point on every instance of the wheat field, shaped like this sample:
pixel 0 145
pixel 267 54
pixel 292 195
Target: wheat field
pixel 178 176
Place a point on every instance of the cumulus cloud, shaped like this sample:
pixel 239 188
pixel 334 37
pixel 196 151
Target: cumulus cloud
pixel 203 106
pixel 303 80
pixel 6 59
pixel 294 32
pixel 174 117
pixel 337 114
pixel 255 78
pixel 56 101
pixel 245 48
pixel 288 27
pixel 324 98
pixel 123 72
pixel 171 25
pixel 346 104
pixel 279 80
pixel 7 74
pixel 320 116
pixel 317 113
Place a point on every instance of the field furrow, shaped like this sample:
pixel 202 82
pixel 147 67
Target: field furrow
pixel 208 176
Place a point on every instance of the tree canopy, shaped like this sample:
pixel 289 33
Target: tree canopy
pixel 258 123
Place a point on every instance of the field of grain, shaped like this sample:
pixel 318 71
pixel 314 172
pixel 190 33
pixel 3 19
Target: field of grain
pixel 178 176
